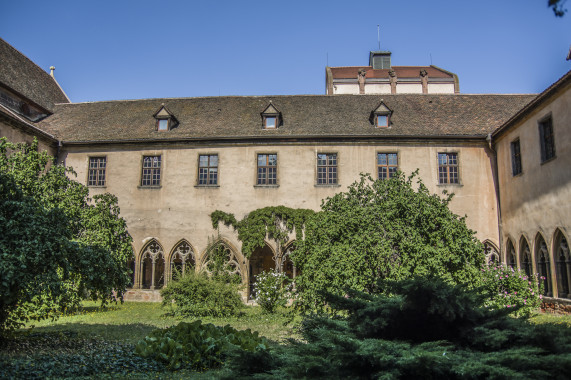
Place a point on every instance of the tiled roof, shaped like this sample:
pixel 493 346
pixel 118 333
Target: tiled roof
pixel 304 116
pixel 23 76
pixel 401 72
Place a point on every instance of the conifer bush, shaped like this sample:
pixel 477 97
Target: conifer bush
pixel 416 329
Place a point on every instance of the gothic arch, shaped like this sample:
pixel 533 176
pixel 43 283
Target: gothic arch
pixel 263 259
pixel 541 253
pixel 234 262
pixel 492 252
pixel 510 254
pixel 562 258
pixel 181 259
pixel 525 256
pixel 152 265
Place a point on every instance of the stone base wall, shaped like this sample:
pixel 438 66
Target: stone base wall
pixel 143 295
pixel 556 306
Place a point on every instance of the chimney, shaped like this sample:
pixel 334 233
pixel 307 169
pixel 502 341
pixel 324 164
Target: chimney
pixel 52 68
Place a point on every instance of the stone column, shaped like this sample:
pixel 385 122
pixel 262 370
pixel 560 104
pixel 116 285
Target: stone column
pixel 361 80
pixel 393 80
pixel 424 81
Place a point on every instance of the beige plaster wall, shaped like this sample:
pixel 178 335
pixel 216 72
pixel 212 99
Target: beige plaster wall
pixel 409 88
pixel 180 209
pixel 378 88
pixel 17 135
pixel 440 88
pixel 339 88
pixel 537 201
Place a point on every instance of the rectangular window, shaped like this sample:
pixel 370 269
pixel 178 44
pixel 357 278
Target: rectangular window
pixel 267 169
pixel 163 124
pixel 387 165
pixel 208 169
pixel 270 122
pixel 151 171
pixel 382 121
pixel 546 139
pixel 448 168
pixel 327 168
pixel 516 157
pixel 96 174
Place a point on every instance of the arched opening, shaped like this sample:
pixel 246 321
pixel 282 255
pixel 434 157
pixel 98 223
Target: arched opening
pixel 525 257
pixel 562 265
pixel 182 260
pixel 287 264
pixel 491 252
pixel 543 268
pixel 510 255
pixel 262 260
pixel 153 266
pixel 221 263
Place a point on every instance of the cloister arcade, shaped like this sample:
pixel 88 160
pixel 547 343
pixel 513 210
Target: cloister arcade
pixel 152 268
pixel 547 256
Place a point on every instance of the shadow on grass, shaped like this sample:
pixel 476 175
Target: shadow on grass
pixel 128 333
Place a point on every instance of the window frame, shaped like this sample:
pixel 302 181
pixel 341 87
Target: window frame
pixel 97 171
pixel 515 150
pixel 387 166
pixel 267 181
pixel 271 116
pixel 448 166
pixel 386 115
pixel 546 141
pixel 168 120
pixel 208 181
pixel 153 182
pixel 326 181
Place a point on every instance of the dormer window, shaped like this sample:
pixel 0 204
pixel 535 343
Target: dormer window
pixel 271 117
pixel 165 119
pixel 381 116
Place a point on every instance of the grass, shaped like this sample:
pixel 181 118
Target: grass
pixel 99 343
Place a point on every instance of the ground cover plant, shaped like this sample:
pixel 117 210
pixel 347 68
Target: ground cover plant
pixel 197 346
pixel 100 343
pixel 419 328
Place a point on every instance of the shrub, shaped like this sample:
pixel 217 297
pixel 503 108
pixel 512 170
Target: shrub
pixel 272 290
pixel 385 229
pixel 195 294
pixel 506 287
pixel 197 346
pixel 418 329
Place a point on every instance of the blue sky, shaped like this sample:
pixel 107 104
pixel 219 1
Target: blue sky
pixel 148 49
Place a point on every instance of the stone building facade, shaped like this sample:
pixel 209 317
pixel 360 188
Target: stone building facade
pixel 172 162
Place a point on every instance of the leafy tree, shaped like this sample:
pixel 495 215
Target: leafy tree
pixel 86 250
pixel 425 329
pixel 384 229
pixel 557 6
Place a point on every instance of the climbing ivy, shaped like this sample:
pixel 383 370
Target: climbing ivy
pixel 275 223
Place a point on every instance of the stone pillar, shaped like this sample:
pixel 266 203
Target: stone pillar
pixel 361 79
pixel 393 80
pixel 424 81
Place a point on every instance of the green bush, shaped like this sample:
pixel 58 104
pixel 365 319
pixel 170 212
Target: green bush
pixel 197 346
pixel 197 295
pixel 506 287
pixel 417 329
pixel 272 290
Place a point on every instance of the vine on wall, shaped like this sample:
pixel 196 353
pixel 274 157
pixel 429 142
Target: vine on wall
pixel 275 223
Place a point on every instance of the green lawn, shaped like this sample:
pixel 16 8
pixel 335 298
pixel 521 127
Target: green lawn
pixel 100 343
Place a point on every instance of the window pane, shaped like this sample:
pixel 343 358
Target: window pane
pixel 381 121
pixel 393 159
pixel 261 159
pixel 163 124
pixel 270 121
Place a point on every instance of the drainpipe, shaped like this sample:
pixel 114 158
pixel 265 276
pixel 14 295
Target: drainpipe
pixel 497 189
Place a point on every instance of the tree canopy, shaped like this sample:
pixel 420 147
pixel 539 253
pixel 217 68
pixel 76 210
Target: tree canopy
pixel 385 229
pixel 56 243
